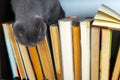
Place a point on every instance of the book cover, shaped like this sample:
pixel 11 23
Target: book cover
pixel 76 51
pixel 46 60
pixel 65 29
pixel 16 53
pixel 85 47
pixel 95 52
pixel 10 52
pixel 26 62
pixel 55 39
pixel 36 62
pixel 105 54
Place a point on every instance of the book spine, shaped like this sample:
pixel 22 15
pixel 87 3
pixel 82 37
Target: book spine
pixel 26 62
pixel 95 47
pixel 65 29
pixel 85 48
pixel 17 53
pixel 36 63
pixel 46 60
pixel 10 51
pixel 76 52
pixel 105 54
pixel 55 38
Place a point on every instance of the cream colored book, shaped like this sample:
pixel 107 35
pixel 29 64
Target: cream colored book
pixel 27 62
pixel 55 38
pixel 65 29
pixel 85 47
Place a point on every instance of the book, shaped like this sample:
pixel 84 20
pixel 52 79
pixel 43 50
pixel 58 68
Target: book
pixel 46 60
pixel 105 53
pixel 65 29
pixel 85 47
pixel 55 39
pixel 10 52
pixel 107 18
pixel 26 62
pixel 76 51
pixel 36 62
pixel 17 53
pixel 116 72
pixel 95 52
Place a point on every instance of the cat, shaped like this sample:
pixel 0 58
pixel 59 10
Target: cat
pixel 32 17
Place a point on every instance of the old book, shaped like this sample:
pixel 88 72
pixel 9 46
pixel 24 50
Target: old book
pixel 85 47
pixel 17 53
pixel 55 38
pixel 36 62
pixel 105 53
pixel 76 51
pixel 10 51
pixel 95 52
pixel 26 62
pixel 65 29
pixel 116 72
pixel 46 60
pixel 107 18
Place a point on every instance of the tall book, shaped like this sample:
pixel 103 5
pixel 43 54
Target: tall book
pixel 76 51
pixel 85 47
pixel 26 61
pixel 65 29
pixel 55 38
pixel 10 51
pixel 17 53
pixel 105 54
pixel 46 60
pixel 116 72
pixel 95 50
pixel 36 62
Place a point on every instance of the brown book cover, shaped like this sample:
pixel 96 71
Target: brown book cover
pixel 105 54
pixel 76 51
pixel 46 60
pixel 55 39
pixel 36 62
pixel 17 53
pixel 95 52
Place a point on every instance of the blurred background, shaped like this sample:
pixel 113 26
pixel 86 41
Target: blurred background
pixel 86 8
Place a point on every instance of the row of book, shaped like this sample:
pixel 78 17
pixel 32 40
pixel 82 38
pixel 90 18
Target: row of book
pixel 81 50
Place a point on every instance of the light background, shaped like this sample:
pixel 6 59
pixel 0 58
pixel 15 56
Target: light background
pixel 86 8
